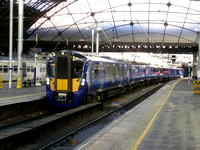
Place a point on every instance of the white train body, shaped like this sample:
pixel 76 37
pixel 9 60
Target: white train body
pixel 28 65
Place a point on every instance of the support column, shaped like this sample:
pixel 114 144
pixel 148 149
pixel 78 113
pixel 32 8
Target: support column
pixel 20 42
pixel 195 65
pixel 10 44
pixel 92 40
pixel 198 71
pixel 99 30
pixel 97 44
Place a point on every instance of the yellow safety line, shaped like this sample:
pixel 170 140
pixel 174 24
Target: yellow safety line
pixel 15 97
pixel 152 120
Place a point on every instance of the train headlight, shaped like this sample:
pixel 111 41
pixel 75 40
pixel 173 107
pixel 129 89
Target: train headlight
pixel 83 82
pixel 47 81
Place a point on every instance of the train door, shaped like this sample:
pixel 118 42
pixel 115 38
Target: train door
pixel 63 71
pixel 96 82
pixel 24 70
pixel 51 74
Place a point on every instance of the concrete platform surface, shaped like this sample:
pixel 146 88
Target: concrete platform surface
pixel 24 94
pixel 168 119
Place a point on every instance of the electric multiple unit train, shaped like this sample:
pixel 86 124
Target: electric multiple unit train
pixel 75 78
pixel 28 66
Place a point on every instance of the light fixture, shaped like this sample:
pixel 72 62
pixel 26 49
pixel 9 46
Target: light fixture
pixel 129 4
pixel 169 4
pixel 131 23
pixel 99 30
pixel 165 24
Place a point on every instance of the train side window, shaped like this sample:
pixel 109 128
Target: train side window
pixel 1 69
pixel 28 69
pixel 102 74
pixel 96 71
pixel 117 71
pixel 137 71
pixel 109 71
pixel 15 69
pixel 133 71
pixel 41 69
pixel 51 69
pixel 5 68
pixel 114 71
pixel 155 69
pixel 32 69
pixel 120 71
pixel 125 72
pixel 106 71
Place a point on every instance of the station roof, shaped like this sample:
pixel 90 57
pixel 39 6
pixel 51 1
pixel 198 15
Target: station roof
pixel 123 22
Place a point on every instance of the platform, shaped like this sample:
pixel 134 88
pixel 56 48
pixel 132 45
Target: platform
pixel 24 94
pixel 169 119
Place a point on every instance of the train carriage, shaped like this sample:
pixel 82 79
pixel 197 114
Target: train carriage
pixel 75 78
pixel 28 65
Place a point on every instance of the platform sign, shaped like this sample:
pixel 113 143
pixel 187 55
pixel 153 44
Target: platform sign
pixel 196 87
pixel 35 50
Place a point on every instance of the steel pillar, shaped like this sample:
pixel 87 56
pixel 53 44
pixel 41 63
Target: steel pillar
pixel 20 40
pixel 198 71
pixel 10 44
pixel 97 44
pixel 92 40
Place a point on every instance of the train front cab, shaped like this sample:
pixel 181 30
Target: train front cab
pixel 65 80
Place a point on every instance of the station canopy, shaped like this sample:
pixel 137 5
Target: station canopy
pixel 162 22
pixel 126 21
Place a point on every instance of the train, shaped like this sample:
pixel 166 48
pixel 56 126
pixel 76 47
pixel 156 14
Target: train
pixel 76 78
pixel 28 65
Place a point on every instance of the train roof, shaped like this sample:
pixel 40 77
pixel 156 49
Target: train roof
pixel 14 59
pixel 94 57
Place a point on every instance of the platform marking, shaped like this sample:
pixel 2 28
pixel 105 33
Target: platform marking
pixel 15 97
pixel 152 120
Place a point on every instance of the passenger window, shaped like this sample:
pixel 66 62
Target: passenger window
pixel 96 72
pixel 117 71
pixel 32 69
pixel 41 69
pixel 125 72
pixel 28 69
pixel 1 69
pixel 107 71
pixel 51 69
pixel 15 69
pixel 114 71
pixel 111 71
pixel 5 69
pixel 136 71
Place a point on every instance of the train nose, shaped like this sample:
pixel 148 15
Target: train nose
pixel 62 84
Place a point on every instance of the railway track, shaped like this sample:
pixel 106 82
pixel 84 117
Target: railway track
pixel 65 124
pixel 112 109
pixel 28 130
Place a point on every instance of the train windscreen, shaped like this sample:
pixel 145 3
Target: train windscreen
pixel 77 69
pixel 51 69
pixel 62 68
